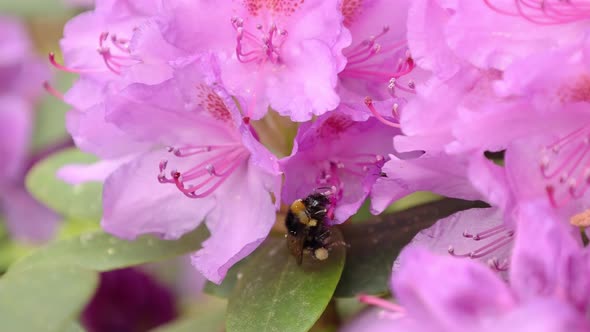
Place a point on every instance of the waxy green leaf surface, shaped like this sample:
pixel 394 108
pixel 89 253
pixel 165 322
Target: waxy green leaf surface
pixel 78 202
pixel 44 298
pixel 273 293
pixel 103 252
pixel 47 289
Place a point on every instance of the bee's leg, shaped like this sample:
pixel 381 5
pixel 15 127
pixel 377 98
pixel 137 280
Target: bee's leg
pixel 324 236
pixel 320 214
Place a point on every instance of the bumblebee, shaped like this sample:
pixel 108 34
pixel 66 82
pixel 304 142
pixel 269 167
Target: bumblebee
pixel 307 230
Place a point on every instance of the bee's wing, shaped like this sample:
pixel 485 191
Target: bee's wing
pixel 296 244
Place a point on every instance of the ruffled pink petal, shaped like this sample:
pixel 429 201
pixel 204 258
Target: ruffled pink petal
pixel 426 22
pixel 438 173
pixel 96 172
pixel 93 133
pixel 549 259
pixel 489 39
pixel 241 220
pixel 540 315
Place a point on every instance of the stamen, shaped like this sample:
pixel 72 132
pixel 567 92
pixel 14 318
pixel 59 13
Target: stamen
pixel 502 236
pixel 381 303
pixel 208 175
pixel 366 60
pixel 61 67
pixel 52 91
pixel 358 165
pixel 371 107
pixel 485 234
pixel 114 63
pixel 565 166
pixel 263 48
pixel 546 12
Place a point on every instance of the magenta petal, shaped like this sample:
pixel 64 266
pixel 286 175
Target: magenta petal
pixel 240 222
pixel 96 172
pixel 15 130
pixel 27 220
pixel 540 316
pixel 426 22
pixel 490 179
pixel 136 203
pixel 549 259
pixel 92 133
pixel 438 173
pixel 487 38
pixel 377 320
pixel 447 293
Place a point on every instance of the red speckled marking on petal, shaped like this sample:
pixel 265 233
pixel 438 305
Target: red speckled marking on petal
pixel 578 91
pixel 351 9
pixel 211 102
pixel 284 7
pixel 335 125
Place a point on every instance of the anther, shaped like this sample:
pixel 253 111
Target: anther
pixel 163 164
pixel 210 169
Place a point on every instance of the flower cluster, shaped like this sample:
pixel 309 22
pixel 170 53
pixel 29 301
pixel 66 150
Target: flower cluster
pixel 470 99
pixel 506 106
pixel 170 93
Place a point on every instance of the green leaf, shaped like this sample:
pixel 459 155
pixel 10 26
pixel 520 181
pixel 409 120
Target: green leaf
pixel 273 293
pixel 10 250
pixel 103 252
pixel 82 201
pixel 412 200
pixel 45 290
pixel 210 323
pixel 375 244
pixel 224 289
pixel 210 320
pixel 74 327
pixel 44 298
pixel 33 8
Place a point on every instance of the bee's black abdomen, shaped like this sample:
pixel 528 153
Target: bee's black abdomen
pixel 292 223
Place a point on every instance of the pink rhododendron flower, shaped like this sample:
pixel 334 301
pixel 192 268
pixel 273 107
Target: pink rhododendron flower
pixel 98 46
pixel 341 154
pixel 284 54
pixel 442 293
pixel 544 127
pixel 379 64
pixel 213 157
pixel 21 77
pixel 483 34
